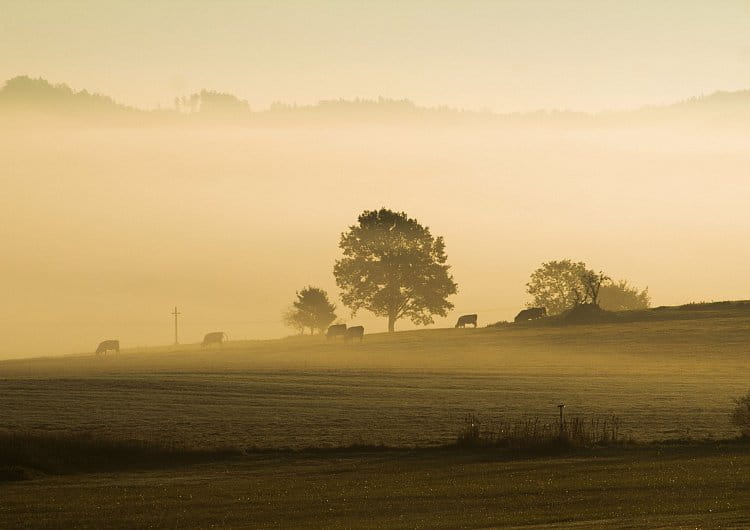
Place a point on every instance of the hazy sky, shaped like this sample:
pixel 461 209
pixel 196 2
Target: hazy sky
pixel 104 231
pixel 502 55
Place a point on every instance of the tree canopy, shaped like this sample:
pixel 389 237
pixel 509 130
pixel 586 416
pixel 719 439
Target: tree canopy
pixel 556 285
pixel 622 296
pixel 561 285
pixel 311 309
pixel 395 268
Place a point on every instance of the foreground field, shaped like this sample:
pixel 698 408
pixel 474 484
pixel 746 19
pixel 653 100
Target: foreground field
pixel 663 378
pixel 673 486
pixel 295 409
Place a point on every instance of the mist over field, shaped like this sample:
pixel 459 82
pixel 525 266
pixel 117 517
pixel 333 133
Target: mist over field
pixel 209 157
pixel 537 209
pixel 106 226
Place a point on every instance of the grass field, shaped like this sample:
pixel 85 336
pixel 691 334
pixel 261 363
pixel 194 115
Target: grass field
pixel 689 487
pixel 663 378
pixel 669 374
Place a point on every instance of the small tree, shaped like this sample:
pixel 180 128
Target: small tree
pixel 741 414
pixel 621 296
pixel 592 284
pixel 558 285
pixel 311 309
pixel 291 319
pixel 395 268
pixel 561 285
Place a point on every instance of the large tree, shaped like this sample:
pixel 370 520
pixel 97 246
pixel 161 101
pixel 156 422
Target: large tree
pixel 394 267
pixel 311 309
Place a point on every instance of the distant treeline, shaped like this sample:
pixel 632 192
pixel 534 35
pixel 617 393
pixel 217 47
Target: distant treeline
pixel 27 96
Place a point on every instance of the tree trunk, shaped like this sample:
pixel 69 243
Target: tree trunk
pixel 391 323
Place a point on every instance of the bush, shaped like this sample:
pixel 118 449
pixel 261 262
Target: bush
pixel 587 314
pixel 741 415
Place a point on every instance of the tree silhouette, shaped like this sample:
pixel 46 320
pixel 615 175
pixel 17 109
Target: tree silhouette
pixel 592 284
pixel 621 296
pixel 311 309
pixel 290 317
pixel 394 267
pixel 561 285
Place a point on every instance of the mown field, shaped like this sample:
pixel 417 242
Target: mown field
pixel 651 487
pixel 670 374
pixel 663 378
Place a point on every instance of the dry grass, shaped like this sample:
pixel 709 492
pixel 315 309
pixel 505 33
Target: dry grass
pixel 662 378
pixel 698 486
pixel 25 454
pixel 534 434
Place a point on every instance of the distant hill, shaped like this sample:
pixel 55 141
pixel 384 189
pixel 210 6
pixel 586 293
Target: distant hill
pixel 729 108
pixel 23 96
pixel 25 93
pixel 738 100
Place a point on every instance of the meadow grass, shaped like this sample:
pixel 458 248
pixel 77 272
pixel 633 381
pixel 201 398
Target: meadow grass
pixel 695 486
pixel 663 378
pixel 371 435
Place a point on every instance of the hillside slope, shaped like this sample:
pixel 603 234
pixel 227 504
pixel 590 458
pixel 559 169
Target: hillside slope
pixel 702 332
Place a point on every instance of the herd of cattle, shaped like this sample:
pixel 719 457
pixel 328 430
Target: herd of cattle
pixel 337 330
pixel 340 330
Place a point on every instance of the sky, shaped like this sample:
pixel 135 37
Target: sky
pixel 498 55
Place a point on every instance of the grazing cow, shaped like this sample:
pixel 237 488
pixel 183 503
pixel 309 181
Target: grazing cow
pixel 531 314
pixel 215 337
pixel 354 332
pixel 108 345
pixel 337 330
pixel 464 320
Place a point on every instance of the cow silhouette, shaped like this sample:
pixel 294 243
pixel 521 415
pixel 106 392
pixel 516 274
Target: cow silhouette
pixel 354 332
pixel 215 337
pixel 337 330
pixel 108 345
pixel 531 313
pixel 464 320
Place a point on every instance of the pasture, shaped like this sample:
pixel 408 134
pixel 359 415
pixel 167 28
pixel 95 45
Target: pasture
pixel 690 487
pixel 667 375
pixel 666 378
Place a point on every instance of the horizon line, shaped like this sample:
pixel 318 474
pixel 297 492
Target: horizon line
pixel 380 100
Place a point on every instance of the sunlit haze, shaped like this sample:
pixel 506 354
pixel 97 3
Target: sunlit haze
pixel 106 227
pixel 505 56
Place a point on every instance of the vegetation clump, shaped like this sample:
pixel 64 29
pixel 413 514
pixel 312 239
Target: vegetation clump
pixel 312 309
pixel 26 454
pixel 621 296
pixel 559 286
pixel 534 434
pixel 587 314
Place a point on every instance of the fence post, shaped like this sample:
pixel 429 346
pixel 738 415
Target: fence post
pixel 561 406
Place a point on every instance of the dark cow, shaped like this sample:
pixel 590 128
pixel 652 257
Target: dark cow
pixel 354 332
pixel 531 314
pixel 108 345
pixel 465 320
pixel 337 330
pixel 215 337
